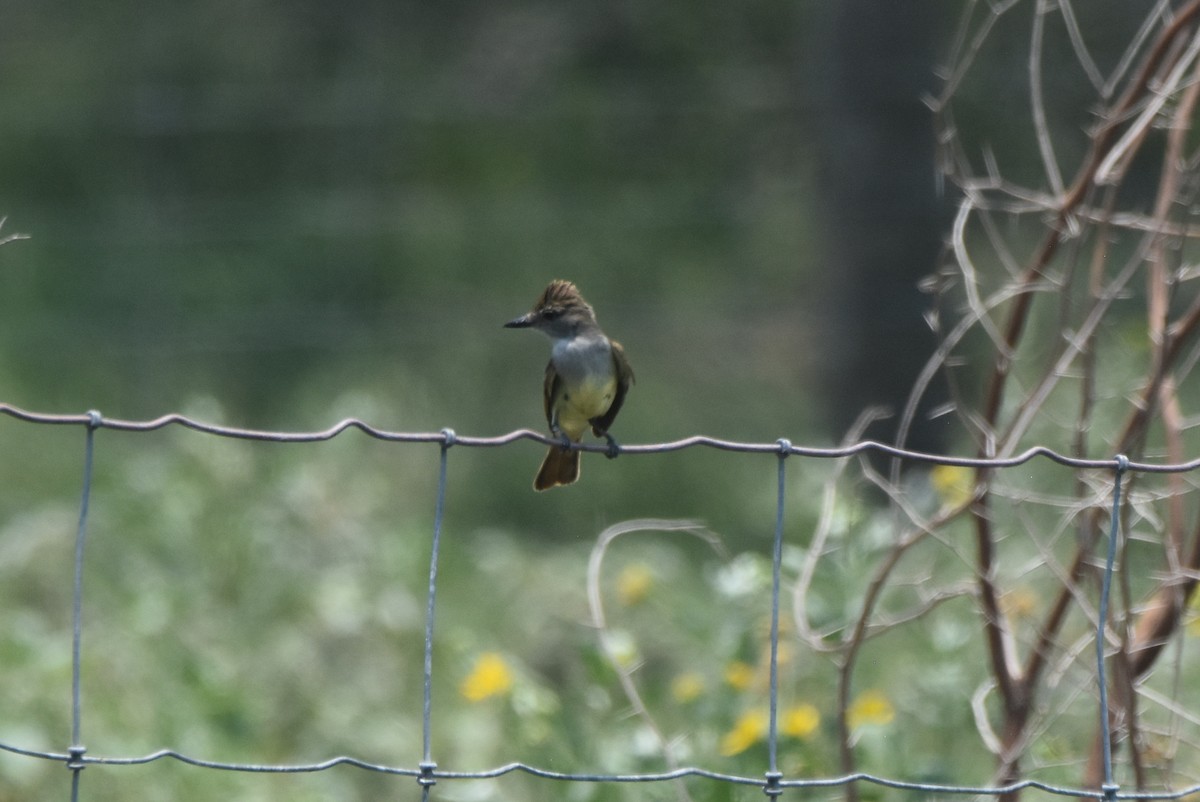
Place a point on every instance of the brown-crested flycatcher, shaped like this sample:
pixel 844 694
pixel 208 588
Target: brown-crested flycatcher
pixel 586 379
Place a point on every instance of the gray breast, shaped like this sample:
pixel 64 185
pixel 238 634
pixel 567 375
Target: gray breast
pixel 583 359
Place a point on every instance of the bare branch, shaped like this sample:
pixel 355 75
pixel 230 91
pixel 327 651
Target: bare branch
pixel 596 604
pixel 1081 51
pixel 1117 159
pixel 1045 145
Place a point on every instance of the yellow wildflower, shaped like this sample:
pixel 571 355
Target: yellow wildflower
pixel 871 707
pixel 687 686
pixel 800 721
pixel 739 675
pixel 634 584
pixel 1020 602
pixel 491 676
pixel 749 729
pixel 1192 619
pixel 954 484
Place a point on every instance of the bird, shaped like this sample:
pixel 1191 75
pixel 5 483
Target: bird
pixel 586 379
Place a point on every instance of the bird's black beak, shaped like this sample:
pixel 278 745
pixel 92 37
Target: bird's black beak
pixel 522 322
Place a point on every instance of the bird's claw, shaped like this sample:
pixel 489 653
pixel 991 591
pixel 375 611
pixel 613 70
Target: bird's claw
pixel 614 448
pixel 564 442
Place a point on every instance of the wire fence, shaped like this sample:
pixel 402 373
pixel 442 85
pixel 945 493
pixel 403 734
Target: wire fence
pixel 427 773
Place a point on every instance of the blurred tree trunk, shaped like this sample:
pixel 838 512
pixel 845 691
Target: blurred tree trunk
pixel 883 218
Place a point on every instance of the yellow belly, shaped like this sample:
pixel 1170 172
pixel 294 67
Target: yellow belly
pixel 576 406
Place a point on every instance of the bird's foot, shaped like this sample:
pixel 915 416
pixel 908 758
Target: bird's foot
pixel 614 448
pixel 564 442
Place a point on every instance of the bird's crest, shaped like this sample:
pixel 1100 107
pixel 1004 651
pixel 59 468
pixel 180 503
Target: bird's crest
pixel 560 294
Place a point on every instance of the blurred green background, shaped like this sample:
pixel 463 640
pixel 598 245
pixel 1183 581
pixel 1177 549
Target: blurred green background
pixel 271 205
pixel 281 215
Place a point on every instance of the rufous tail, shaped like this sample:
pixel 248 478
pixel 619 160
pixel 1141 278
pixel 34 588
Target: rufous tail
pixel 558 468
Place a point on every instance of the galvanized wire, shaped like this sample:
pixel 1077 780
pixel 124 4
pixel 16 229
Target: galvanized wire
pixel 1110 559
pixel 854 449
pixel 427 773
pixel 77 749
pixel 427 765
pixel 772 789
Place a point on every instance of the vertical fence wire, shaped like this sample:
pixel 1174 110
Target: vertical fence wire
pixel 772 788
pixel 77 749
pixel 428 766
pixel 1110 788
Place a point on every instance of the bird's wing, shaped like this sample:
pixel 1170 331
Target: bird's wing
pixel 601 423
pixel 550 389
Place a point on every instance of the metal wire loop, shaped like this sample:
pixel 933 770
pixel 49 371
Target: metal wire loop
pixel 75 761
pixel 773 789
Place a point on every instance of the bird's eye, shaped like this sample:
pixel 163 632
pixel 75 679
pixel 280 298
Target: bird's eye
pixel 551 312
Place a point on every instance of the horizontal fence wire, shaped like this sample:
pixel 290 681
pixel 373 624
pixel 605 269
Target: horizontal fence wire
pixel 427 773
pixel 854 449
